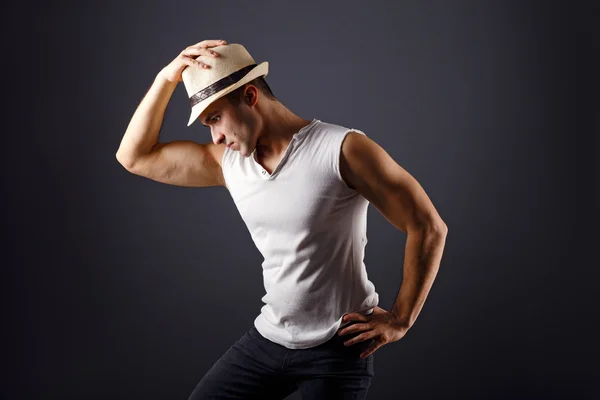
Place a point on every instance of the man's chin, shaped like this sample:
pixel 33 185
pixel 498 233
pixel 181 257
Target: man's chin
pixel 244 154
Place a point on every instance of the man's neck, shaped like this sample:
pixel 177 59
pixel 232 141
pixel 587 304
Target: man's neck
pixel 280 125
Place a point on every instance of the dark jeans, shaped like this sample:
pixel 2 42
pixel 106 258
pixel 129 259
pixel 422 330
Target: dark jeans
pixel 257 368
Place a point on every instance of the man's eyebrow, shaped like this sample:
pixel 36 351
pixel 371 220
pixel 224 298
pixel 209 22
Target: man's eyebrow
pixel 209 116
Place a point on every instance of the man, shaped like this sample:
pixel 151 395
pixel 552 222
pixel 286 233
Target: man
pixel 302 187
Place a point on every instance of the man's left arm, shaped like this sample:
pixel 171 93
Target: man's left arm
pixel 370 170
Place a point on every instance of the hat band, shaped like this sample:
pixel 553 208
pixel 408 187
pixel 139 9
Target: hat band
pixel 220 85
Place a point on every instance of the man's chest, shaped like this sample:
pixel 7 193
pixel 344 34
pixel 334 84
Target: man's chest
pixel 299 201
pixel 269 164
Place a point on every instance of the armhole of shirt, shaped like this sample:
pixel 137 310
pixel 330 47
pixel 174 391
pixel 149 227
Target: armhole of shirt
pixel 224 166
pixel 338 156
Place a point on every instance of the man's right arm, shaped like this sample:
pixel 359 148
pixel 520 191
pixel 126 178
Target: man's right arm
pixel 180 162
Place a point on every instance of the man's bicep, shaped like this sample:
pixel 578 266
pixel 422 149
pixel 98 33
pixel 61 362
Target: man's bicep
pixel 182 163
pixel 384 183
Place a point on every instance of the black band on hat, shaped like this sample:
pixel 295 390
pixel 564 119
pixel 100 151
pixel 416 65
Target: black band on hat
pixel 220 85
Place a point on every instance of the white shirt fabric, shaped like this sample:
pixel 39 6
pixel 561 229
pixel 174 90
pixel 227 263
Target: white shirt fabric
pixel 310 228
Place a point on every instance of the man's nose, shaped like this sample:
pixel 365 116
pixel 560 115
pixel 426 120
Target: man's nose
pixel 218 138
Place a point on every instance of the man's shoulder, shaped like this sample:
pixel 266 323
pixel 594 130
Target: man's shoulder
pixel 333 129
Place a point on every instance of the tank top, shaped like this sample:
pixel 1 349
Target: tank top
pixel 310 227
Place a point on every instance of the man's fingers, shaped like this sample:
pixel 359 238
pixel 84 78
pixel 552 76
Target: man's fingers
pixel 371 349
pixel 196 51
pixel 211 43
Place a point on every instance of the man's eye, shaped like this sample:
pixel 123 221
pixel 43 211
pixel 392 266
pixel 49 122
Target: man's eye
pixel 214 119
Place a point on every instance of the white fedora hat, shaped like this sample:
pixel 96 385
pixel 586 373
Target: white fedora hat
pixel 232 68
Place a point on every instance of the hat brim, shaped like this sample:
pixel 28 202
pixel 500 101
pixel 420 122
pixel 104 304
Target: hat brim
pixel 260 70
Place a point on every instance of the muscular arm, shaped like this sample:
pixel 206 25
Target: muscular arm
pixel 369 169
pixel 180 162
pixel 142 132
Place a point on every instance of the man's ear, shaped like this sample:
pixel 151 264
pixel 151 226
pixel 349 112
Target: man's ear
pixel 250 95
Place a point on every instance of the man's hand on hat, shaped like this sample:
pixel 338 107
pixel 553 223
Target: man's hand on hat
pixel 187 57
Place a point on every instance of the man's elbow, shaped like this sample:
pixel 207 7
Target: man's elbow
pixel 431 225
pixel 441 228
pixel 126 162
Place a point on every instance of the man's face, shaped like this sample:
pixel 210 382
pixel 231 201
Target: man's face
pixel 231 124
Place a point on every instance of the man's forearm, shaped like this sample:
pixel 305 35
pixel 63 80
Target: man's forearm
pixel 143 129
pixel 423 254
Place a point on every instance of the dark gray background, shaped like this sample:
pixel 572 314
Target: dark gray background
pixel 116 286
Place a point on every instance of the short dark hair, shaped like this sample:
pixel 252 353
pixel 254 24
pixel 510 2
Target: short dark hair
pixel 235 97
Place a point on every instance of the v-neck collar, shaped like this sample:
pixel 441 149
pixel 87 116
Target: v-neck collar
pixel 298 135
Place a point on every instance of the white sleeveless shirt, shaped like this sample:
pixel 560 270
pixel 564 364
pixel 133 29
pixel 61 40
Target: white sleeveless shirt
pixel 310 228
